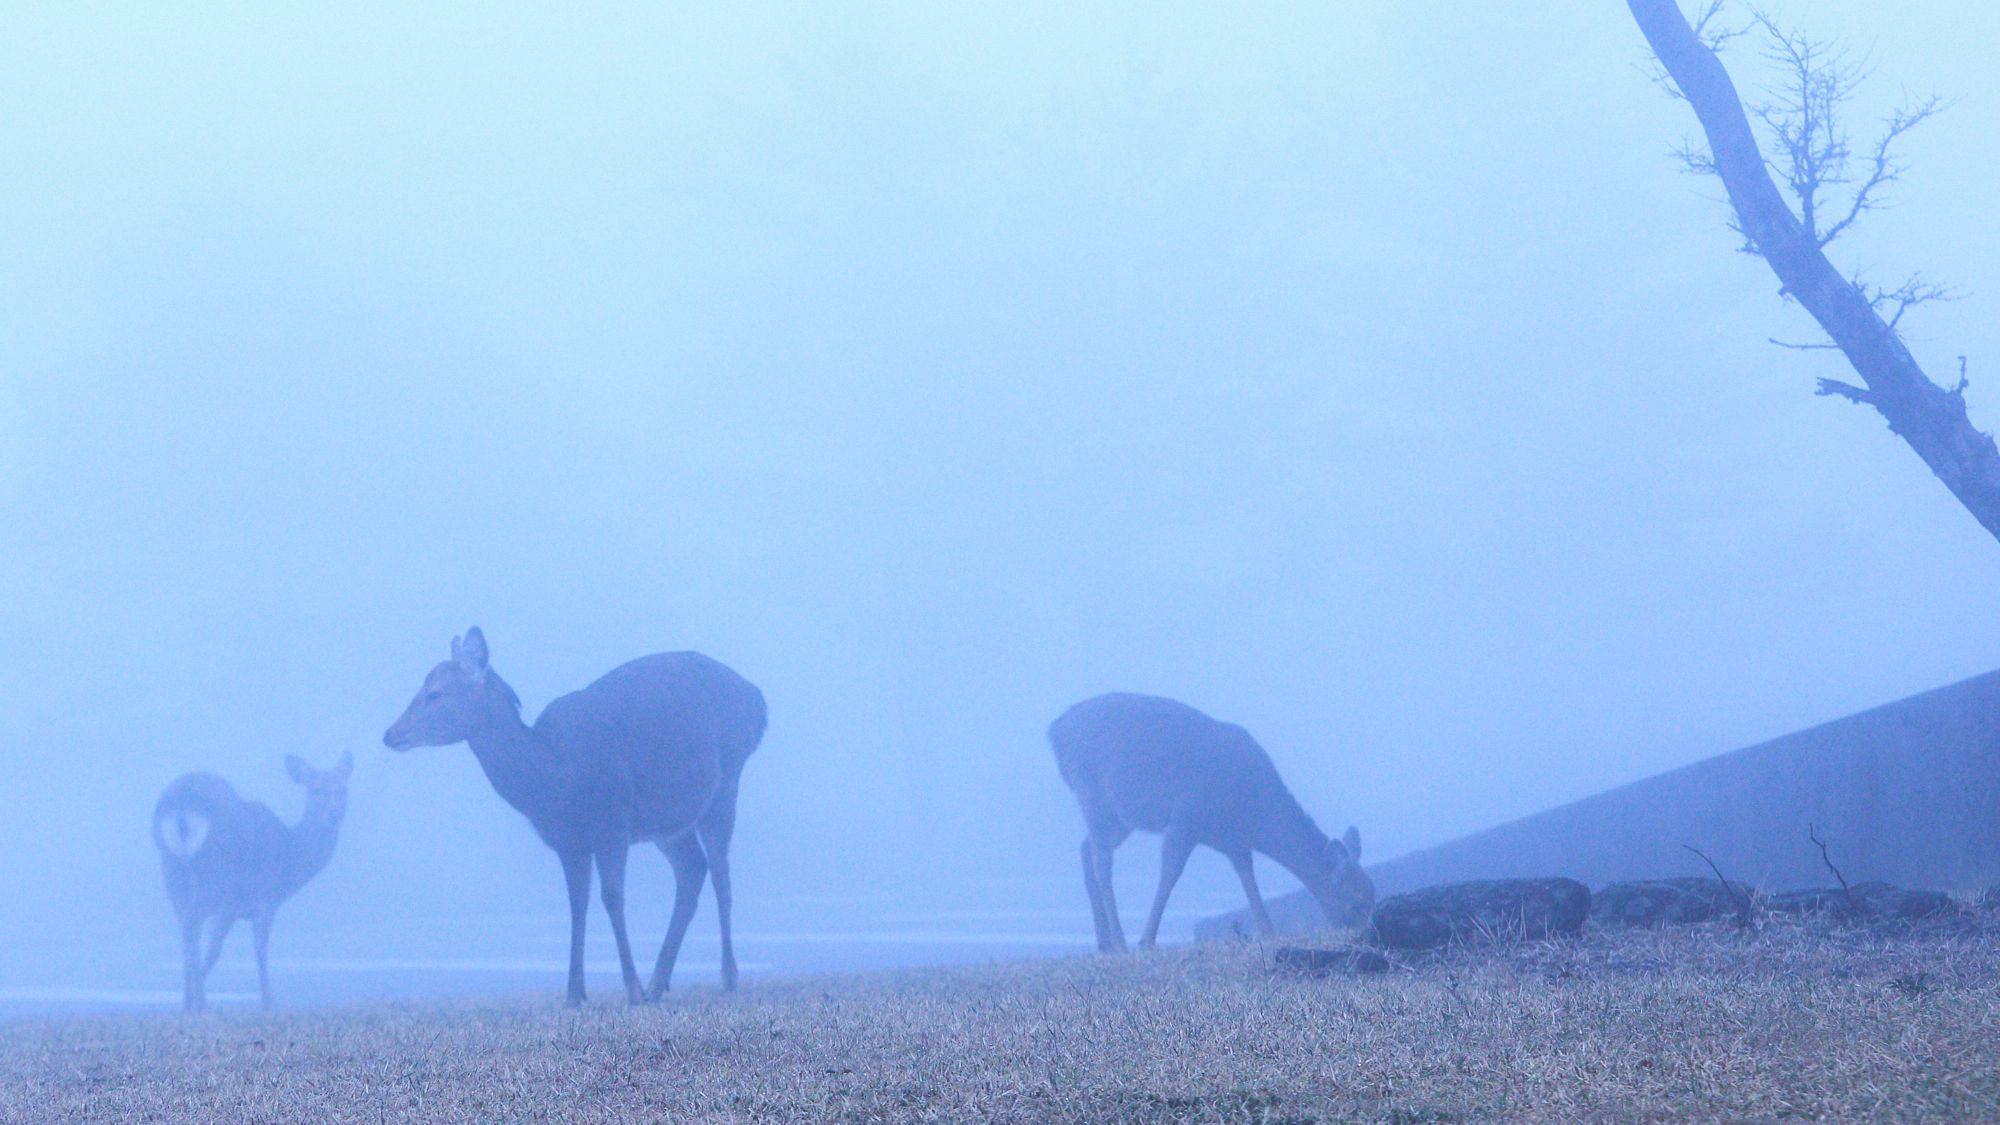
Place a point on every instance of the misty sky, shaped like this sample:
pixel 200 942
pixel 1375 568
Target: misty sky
pixel 1365 374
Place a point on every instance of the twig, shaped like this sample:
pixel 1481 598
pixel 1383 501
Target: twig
pixel 1719 37
pixel 1804 115
pixel 1743 904
pixel 1846 892
pixel 1911 293
pixel 1884 168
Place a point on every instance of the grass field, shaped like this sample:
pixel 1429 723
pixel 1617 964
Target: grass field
pixel 1794 1019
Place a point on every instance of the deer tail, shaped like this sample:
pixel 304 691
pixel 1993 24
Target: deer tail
pixel 180 831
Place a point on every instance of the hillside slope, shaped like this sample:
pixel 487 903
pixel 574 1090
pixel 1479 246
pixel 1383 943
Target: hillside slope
pixel 1908 793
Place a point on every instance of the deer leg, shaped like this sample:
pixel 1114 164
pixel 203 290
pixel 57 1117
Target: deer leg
pixel 218 930
pixel 1096 896
pixel 718 873
pixel 1176 844
pixel 192 994
pixel 576 872
pixel 1247 872
pixel 611 887
pixel 715 833
pixel 690 868
pixel 260 930
pixel 1100 864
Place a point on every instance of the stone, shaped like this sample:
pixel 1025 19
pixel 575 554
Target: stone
pixel 1926 904
pixel 1666 902
pixel 1485 911
pixel 1818 900
pixel 1864 900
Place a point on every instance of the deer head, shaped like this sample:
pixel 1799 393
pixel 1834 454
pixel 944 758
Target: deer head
pixel 1343 890
pixel 452 702
pixel 326 790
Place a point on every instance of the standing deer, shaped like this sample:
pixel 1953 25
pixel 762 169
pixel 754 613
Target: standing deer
pixel 650 752
pixel 226 858
pixel 1142 762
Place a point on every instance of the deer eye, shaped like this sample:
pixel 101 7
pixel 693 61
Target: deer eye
pixel 432 694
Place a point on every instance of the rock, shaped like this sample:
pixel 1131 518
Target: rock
pixel 1489 910
pixel 1666 902
pixel 1814 900
pixel 1352 960
pixel 1926 904
pixel 1864 900
pixel 1878 898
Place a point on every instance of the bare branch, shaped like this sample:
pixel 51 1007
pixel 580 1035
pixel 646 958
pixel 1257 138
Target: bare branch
pixel 1743 903
pixel 1700 162
pixel 1912 292
pixel 1803 113
pixel 1845 890
pixel 1883 168
pixel 1715 38
pixel 1848 391
pixel 1768 181
pixel 1803 347
pixel 1694 160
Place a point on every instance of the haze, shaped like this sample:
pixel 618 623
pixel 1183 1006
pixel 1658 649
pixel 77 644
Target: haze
pixel 1368 376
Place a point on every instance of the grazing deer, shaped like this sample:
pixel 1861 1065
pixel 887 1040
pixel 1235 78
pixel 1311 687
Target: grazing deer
pixel 1142 762
pixel 649 752
pixel 226 858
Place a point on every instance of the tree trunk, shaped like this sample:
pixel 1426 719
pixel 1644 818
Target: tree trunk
pixel 1929 417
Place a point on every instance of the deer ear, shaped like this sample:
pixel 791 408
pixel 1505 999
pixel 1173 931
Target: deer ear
pixel 297 769
pixel 1336 855
pixel 1352 842
pixel 471 652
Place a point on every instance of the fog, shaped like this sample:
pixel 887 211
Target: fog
pixel 1366 375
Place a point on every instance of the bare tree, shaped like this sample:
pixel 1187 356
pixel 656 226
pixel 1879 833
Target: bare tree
pixel 1833 186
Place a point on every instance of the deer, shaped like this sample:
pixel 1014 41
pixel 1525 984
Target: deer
pixel 226 859
pixel 1142 762
pixel 650 752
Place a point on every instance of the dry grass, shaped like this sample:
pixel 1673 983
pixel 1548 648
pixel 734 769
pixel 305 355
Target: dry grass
pixel 1796 1019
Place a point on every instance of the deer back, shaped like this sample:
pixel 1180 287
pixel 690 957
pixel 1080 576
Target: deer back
pixel 1153 761
pixel 222 855
pixel 652 742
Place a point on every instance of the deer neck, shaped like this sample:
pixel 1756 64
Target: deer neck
pixel 518 762
pixel 1292 839
pixel 311 843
